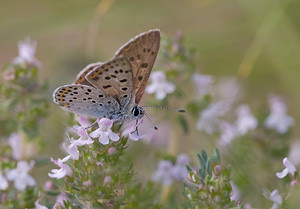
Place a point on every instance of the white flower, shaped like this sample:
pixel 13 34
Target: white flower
pixel 228 133
pixel 209 118
pixel 275 197
pixel 159 85
pixel 72 148
pixel 64 170
pixel 164 173
pixel 289 169
pixel 245 120
pixel 3 182
pixel 278 119
pixel 179 170
pixel 27 49
pixel 38 205
pixel 203 83
pixel 104 132
pixel 20 175
pixel 84 136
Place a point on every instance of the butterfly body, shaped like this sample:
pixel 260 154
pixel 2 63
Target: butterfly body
pixel 113 89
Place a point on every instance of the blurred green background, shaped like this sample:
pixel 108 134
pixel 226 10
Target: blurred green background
pixel 259 41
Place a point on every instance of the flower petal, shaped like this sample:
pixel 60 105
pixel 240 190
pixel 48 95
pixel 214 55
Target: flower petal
pixel 103 139
pixel 113 136
pixel 96 133
pixel 291 168
pixel 282 174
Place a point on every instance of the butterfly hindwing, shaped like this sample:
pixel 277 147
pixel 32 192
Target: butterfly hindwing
pixel 114 78
pixel 80 79
pixel 141 52
pixel 85 100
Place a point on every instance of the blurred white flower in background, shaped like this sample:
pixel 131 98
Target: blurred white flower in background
pixel 3 182
pixel 245 120
pixel 61 198
pixel 204 83
pixel 38 205
pixel 159 85
pixel 27 49
pixel 289 169
pixel 20 148
pixel 275 197
pixel 179 169
pixel 235 193
pixel 228 89
pixel 294 154
pixel 15 143
pixel 132 132
pixel 228 133
pixel 278 119
pixel 209 119
pixel 164 172
pixel 20 175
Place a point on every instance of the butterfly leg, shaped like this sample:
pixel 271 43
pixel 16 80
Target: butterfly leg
pixel 136 128
pixel 90 126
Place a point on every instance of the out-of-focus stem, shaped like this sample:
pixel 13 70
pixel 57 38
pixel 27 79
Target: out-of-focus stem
pixel 165 194
pixel 100 11
pixel 172 150
pixel 256 46
pixel 173 143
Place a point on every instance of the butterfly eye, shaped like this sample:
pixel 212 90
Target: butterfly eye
pixel 136 111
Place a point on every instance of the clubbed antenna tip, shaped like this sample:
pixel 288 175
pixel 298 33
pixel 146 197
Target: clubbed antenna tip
pixel 155 128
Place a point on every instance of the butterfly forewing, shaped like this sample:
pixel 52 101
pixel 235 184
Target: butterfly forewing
pixel 86 100
pixel 141 52
pixel 80 79
pixel 114 78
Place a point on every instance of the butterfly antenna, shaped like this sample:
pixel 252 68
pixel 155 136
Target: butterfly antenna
pixel 166 108
pixel 155 127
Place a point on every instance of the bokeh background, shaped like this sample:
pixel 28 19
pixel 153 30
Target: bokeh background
pixel 257 41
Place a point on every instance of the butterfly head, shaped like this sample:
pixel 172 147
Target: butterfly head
pixel 137 112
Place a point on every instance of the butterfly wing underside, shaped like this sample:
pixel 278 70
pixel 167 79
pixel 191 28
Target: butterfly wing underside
pixel 141 52
pixel 85 100
pixel 80 79
pixel 115 79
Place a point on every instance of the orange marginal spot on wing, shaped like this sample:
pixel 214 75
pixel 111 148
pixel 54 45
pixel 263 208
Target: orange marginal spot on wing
pixel 93 76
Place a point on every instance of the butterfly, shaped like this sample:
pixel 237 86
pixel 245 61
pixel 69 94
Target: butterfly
pixel 113 89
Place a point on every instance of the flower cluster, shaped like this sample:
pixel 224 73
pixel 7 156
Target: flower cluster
pixel 103 133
